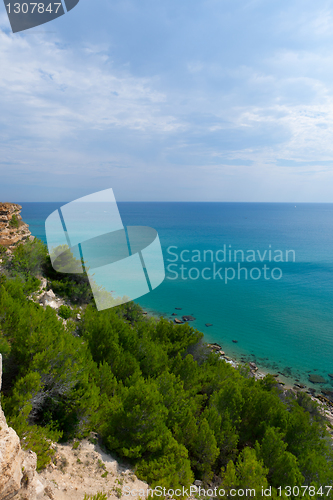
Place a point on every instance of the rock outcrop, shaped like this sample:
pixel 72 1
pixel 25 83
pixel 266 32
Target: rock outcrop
pixel 18 476
pixel 49 299
pixel 12 228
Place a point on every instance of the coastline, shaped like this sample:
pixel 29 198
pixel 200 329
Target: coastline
pixel 228 357
pixel 258 372
pixel 295 348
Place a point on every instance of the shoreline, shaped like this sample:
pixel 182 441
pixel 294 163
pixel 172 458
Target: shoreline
pixel 229 358
pixel 258 372
pixel 297 375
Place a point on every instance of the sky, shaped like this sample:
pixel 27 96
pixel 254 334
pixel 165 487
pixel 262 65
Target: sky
pixel 201 100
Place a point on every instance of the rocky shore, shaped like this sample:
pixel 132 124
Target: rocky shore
pixel 323 397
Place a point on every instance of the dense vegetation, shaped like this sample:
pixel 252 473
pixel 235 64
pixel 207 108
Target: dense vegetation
pixel 152 391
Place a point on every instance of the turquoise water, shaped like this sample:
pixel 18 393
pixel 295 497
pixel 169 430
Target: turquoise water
pixel 286 324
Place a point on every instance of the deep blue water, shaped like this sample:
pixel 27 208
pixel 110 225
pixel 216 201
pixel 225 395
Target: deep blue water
pixel 283 324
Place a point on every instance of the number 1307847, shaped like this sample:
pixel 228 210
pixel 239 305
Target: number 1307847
pixel 33 8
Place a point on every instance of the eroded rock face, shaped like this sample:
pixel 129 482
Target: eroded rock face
pixel 12 228
pixel 10 461
pixel 18 476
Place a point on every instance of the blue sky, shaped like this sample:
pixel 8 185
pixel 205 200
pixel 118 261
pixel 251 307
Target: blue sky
pixel 217 100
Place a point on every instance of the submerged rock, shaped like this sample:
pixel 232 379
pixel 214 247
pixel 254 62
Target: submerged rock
pixel 188 318
pixel 178 321
pixel 208 324
pixel 327 392
pixel 316 379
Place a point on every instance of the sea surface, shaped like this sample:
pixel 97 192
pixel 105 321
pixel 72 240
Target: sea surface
pixel 282 321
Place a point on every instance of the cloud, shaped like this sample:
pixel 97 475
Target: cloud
pixel 195 92
pixel 43 83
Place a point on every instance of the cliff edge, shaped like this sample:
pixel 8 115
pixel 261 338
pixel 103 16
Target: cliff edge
pixel 75 471
pixel 12 228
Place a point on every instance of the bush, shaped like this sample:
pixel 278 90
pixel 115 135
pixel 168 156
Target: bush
pixel 14 222
pixel 65 312
pixel 39 439
pixel 31 285
pixel 98 496
pixel 3 251
pixel 29 259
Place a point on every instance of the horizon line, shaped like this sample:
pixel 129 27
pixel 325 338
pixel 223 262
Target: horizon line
pixel 189 201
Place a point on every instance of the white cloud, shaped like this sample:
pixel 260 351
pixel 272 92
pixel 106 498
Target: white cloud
pixel 49 91
pixel 97 113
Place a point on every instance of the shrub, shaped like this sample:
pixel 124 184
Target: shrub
pixel 14 222
pixel 37 439
pixel 74 287
pixel 98 496
pixel 3 251
pixel 28 260
pixel 64 312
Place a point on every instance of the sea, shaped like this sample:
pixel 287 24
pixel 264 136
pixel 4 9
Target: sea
pixel 259 274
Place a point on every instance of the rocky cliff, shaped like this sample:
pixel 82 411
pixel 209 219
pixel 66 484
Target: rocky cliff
pixel 12 228
pixel 18 476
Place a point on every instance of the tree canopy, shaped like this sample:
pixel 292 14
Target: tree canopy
pixel 152 391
